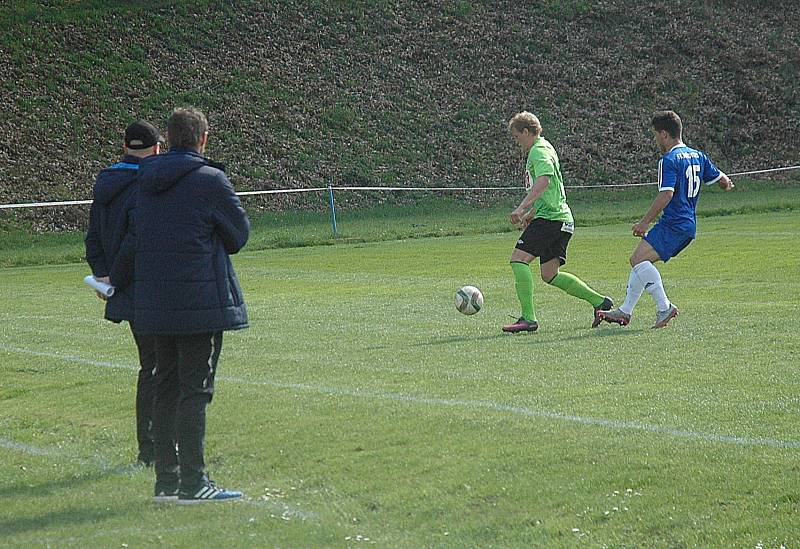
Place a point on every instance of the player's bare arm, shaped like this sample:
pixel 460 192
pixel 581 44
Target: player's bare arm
pixel 521 215
pixel 660 202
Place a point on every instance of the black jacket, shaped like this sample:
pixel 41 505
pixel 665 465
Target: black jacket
pixel 112 193
pixel 187 221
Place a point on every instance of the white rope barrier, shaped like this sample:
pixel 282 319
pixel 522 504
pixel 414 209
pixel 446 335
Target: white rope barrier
pixel 352 188
pixel 42 204
pixel 282 191
pixel 376 188
pixel 764 171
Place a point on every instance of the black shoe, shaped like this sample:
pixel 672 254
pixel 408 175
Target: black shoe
pixel 146 455
pixel 165 492
pixel 606 305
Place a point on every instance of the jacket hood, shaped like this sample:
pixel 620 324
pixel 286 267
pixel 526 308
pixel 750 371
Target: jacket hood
pixel 115 179
pixel 161 172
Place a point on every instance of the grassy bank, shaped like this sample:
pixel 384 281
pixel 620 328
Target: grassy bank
pixel 420 98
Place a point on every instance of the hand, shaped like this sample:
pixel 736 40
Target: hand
pixel 527 218
pixel 517 216
pixel 107 280
pixel 640 228
pixel 726 185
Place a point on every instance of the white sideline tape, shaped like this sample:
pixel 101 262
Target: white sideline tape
pixel 30 449
pixel 469 404
pixel 8 444
pixel 394 189
pixel 61 540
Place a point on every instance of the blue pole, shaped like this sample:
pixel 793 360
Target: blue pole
pixel 333 207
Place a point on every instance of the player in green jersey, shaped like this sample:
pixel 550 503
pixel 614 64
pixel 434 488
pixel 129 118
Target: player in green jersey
pixel 547 226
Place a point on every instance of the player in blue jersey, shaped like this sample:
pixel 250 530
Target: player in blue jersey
pixel 681 172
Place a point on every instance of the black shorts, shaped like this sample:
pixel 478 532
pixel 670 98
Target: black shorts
pixel 546 239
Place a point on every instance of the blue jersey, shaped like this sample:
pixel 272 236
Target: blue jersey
pixel 683 170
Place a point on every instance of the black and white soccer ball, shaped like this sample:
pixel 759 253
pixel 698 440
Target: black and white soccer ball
pixel 469 300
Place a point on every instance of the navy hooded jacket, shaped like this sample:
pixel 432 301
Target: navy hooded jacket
pixel 187 221
pixel 112 192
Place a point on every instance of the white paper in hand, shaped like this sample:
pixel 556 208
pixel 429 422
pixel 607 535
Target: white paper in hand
pixel 105 289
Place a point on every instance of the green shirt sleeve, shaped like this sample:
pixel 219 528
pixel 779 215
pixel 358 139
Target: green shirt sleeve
pixel 542 165
pixel 543 161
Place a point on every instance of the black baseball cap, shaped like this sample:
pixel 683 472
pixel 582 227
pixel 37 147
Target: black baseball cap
pixel 142 135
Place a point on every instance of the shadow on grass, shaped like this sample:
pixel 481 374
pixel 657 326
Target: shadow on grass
pixel 72 483
pixel 442 341
pixel 584 334
pixel 57 520
pixel 54 490
pixel 611 332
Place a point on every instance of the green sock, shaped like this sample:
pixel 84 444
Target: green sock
pixel 577 287
pixel 524 283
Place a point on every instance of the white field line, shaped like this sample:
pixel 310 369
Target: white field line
pixel 455 403
pixel 275 508
pixel 96 460
pixel 30 449
pixel 59 541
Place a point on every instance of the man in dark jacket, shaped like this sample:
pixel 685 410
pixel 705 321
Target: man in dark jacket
pixel 113 191
pixel 188 220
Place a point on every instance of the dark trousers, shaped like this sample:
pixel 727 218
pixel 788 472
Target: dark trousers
pixel 186 365
pixel 145 393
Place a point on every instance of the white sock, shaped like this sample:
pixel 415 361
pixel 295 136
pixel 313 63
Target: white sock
pixel 651 279
pixel 635 289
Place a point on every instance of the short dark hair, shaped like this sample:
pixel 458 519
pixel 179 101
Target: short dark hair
pixel 668 121
pixel 186 127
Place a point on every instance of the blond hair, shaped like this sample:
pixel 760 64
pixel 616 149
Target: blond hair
pixel 525 120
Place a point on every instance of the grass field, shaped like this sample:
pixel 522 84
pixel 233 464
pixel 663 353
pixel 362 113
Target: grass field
pixel 360 409
pixel 412 215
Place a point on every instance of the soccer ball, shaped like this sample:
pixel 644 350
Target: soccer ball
pixel 469 300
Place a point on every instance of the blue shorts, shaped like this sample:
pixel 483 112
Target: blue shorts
pixel 666 241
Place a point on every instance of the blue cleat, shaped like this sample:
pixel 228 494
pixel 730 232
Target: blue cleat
pixel 205 492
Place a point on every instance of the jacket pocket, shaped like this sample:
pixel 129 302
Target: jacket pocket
pixel 233 284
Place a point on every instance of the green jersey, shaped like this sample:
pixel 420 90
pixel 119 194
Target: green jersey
pixel 543 160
